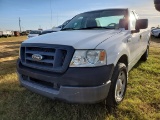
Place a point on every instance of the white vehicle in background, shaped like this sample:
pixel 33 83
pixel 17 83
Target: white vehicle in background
pixel 34 33
pixel 6 33
pixel 155 32
pixel 55 29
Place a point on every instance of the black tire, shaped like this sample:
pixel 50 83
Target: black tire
pixel 145 55
pixel 159 35
pixel 111 100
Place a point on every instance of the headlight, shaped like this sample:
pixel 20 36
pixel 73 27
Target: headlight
pixel 88 58
pixel 19 52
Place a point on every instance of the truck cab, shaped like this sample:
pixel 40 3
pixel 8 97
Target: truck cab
pixel 88 60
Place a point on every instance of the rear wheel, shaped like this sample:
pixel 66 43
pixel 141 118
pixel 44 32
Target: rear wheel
pixel 159 35
pixel 118 86
pixel 145 55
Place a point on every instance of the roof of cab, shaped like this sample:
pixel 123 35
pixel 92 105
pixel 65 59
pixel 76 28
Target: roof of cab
pixel 108 9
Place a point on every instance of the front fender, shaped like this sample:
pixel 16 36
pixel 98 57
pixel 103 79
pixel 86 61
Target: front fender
pixel 118 51
pixel 116 47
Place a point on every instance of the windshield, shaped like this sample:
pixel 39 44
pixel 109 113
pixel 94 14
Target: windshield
pixel 35 32
pixel 64 24
pixel 108 19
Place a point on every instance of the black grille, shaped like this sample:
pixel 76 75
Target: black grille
pixel 55 58
pixel 41 49
pixel 39 64
pixel 41 82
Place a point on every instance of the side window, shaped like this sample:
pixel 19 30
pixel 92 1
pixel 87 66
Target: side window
pixel 132 21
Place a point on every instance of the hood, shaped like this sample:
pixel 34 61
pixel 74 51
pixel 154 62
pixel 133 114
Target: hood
pixel 79 39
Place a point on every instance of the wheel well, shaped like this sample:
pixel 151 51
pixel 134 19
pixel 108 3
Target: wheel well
pixel 124 59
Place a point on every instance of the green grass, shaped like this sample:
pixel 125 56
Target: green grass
pixel 142 101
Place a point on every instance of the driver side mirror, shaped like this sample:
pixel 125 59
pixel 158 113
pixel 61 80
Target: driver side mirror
pixel 140 24
pixel 157 4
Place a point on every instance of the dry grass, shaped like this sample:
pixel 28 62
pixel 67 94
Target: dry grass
pixel 142 100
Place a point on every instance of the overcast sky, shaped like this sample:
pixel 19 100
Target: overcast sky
pixel 37 13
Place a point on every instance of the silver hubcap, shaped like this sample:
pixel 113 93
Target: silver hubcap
pixel 120 86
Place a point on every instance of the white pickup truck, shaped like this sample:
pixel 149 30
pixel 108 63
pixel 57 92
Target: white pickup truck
pixel 88 60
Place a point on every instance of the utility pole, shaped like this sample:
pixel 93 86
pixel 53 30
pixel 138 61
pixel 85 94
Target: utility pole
pixel 57 19
pixel 20 24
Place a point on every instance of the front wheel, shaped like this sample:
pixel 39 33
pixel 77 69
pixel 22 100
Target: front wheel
pixel 118 86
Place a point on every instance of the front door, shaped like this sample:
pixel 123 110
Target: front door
pixel 134 42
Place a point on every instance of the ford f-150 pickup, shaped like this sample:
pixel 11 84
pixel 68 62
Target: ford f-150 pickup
pixel 88 60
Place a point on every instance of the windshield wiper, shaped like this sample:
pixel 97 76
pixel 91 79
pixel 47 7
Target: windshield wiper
pixel 68 29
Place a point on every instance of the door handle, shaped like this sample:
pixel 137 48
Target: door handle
pixel 140 36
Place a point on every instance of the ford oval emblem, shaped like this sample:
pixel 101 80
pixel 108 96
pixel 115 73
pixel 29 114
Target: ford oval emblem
pixel 37 57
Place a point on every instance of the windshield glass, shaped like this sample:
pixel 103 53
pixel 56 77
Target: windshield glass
pixel 35 32
pixel 108 19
